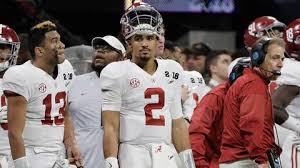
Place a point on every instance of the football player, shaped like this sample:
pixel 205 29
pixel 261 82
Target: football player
pixel 38 122
pixel 9 47
pixel 286 98
pixel 142 115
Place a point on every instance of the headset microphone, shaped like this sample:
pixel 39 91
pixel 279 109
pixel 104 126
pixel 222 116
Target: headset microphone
pixel 274 72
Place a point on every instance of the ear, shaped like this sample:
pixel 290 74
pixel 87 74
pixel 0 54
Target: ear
pixel 38 51
pixel 212 68
pixel 129 46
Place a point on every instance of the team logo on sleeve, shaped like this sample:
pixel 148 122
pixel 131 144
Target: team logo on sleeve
pixel 134 83
pixel 42 88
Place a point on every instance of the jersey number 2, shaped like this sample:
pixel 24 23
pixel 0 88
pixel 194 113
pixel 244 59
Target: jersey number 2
pixel 154 106
pixel 48 103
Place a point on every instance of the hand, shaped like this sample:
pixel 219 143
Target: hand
pixel 184 93
pixel 74 156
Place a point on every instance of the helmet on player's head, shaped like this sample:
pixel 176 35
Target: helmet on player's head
pixel 263 26
pixel 292 38
pixel 9 39
pixel 141 18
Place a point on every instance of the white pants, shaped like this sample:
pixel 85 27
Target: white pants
pixel 244 163
pixel 142 156
pixel 40 158
pixel 290 156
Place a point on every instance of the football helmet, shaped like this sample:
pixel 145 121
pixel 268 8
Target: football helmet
pixel 292 38
pixel 263 26
pixel 10 39
pixel 141 18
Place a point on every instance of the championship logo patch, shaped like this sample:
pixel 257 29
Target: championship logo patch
pixel 42 87
pixel 134 83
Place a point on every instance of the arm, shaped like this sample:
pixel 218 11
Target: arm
pixel 17 106
pixel 281 98
pixel 180 136
pixel 180 139
pixel 111 124
pixel 73 152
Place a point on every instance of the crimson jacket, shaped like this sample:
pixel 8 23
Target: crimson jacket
pixel 206 128
pixel 248 120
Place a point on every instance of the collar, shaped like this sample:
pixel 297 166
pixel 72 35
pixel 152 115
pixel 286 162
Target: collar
pixel 256 73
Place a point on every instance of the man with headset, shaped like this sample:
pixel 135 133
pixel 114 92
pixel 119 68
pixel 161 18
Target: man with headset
pixel 248 133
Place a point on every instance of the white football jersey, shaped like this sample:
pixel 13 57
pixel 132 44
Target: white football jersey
pixel 66 73
pixel 4 143
pixel 46 99
pixel 194 80
pixel 290 75
pixel 196 85
pixel 147 103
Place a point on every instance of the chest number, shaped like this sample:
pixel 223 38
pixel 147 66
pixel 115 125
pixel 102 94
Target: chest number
pixel 154 106
pixel 58 120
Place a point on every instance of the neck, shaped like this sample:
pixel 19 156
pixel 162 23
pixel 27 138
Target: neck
pixel 217 78
pixel 264 74
pixel 149 66
pixel 48 68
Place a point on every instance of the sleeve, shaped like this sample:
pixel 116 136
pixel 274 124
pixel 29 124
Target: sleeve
pixel 15 82
pixel 199 130
pixel 188 107
pixel 176 109
pixel 252 116
pixel 111 88
pixel 71 73
pixel 290 73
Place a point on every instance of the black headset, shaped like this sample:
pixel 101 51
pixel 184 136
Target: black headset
pixel 259 51
pixel 258 54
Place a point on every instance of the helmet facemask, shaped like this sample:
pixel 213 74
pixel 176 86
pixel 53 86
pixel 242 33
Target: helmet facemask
pixel 11 58
pixel 142 19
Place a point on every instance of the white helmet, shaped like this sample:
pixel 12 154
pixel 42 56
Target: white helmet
pixel 141 18
pixel 8 37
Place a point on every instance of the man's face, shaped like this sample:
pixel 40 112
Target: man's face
pixel 103 55
pixel 273 61
pixel 220 69
pixel 161 44
pixel 53 48
pixel 5 52
pixel 197 63
pixel 143 47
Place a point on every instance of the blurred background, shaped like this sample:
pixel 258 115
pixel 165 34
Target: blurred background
pixel 219 23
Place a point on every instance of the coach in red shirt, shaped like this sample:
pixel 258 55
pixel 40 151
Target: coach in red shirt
pixel 247 115
pixel 206 125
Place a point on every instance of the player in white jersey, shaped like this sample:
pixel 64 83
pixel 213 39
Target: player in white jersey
pixel 85 101
pixel 286 98
pixel 36 98
pixel 196 85
pixel 141 105
pixel 9 47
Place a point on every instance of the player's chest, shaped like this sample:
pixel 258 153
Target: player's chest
pixel 140 86
pixel 45 86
